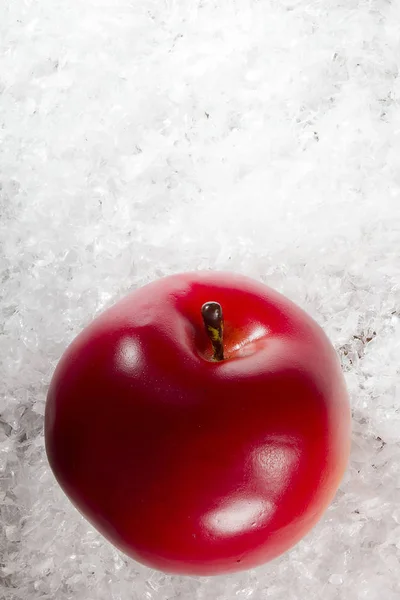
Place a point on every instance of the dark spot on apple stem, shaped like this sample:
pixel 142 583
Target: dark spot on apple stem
pixel 214 324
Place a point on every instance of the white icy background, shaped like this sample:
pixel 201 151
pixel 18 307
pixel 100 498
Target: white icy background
pixel 141 138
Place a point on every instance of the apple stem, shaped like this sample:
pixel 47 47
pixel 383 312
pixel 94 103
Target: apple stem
pixel 214 324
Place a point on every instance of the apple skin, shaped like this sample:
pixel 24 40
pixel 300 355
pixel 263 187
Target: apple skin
pixel 192 466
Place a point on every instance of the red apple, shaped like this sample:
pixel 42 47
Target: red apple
pixel 199 443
